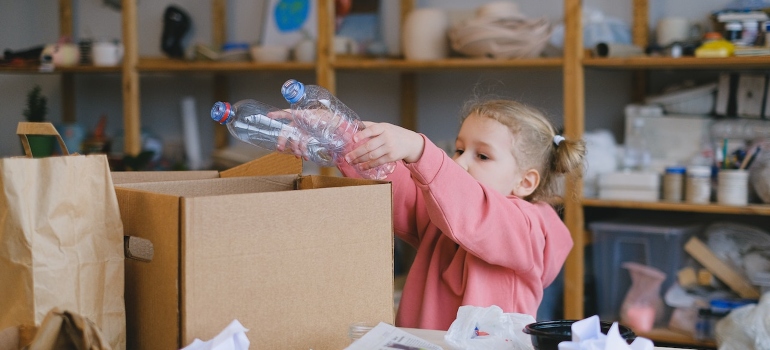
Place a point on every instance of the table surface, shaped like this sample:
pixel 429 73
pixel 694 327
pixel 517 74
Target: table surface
pixel 437 337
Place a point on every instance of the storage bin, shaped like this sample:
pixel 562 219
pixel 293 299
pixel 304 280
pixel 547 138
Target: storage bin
pixel 695 100
pixel 657 245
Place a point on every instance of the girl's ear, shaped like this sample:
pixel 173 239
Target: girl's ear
pixel 529 182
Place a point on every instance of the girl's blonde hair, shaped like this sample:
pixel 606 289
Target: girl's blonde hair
pixel 534 146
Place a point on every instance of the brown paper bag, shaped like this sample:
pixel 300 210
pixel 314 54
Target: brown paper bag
pixel 61 239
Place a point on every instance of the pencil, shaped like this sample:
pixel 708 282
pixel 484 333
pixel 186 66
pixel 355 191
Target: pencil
pixel 747 158
pixel 753 157
pixel 724 154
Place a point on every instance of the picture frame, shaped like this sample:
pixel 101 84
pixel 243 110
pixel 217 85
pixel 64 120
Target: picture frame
pixel 286 22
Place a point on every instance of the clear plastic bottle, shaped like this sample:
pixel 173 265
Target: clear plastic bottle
pixel 262 125
pixel 637 155
pixel 322 115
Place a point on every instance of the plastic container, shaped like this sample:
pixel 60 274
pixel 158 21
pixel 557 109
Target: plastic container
pixel 326 118
pixel 262 125
pixel 734 32
pixel 750 33
pixel 698 184
pixel 673 183
pixel 697 100
pixel 359 329
pixel 637 155
pixel 614 243
pixel 546 335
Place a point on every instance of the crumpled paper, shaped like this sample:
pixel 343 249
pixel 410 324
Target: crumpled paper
pixel 488 328
pixel 587 335
pixel 233 337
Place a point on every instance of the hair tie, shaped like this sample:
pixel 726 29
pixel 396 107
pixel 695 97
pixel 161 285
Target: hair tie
pixel 557 140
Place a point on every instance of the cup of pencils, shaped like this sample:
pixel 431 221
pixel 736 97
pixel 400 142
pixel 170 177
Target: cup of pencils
pixel 733 178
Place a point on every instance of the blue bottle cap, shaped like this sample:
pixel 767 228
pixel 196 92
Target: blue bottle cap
pixel 221 112
pixel 675 169
pixel 293 90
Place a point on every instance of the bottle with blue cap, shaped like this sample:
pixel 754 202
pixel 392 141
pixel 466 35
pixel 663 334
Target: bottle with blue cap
pixel 269 127
pixel 322 115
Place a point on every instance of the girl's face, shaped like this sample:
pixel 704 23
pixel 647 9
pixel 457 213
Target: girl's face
pixel 484 149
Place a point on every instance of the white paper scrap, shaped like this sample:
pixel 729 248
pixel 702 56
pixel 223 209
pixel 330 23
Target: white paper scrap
pixel 388 337
pixel 233 337
pixel 587 335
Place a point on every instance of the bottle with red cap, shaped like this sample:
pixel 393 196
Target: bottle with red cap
pixel 269 127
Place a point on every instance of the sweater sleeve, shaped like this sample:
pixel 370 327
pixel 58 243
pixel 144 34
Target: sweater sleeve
pixel 406 197
pixel 497 229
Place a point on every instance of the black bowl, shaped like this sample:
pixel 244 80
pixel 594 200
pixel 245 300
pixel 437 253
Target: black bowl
pixel 546 335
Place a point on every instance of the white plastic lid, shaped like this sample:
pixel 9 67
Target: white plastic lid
pixel 699 171
pixel 751 24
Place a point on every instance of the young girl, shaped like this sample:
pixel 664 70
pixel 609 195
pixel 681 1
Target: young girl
pixel 480 222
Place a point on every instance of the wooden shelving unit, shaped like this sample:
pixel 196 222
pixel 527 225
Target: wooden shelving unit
pixel 640 65
pixel 327 64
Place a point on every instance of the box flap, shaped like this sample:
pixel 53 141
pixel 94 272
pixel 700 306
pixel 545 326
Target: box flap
pixel 124 177
pixel 271 164
pixel 152 288
pixel 218 187
pixel 301 265
pixel 320 181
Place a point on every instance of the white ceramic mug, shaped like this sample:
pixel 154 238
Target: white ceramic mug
pixel 106 54
pixel 673 29
pixel 344 45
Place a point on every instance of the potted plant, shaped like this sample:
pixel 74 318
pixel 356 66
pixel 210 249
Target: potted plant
pixel 36 111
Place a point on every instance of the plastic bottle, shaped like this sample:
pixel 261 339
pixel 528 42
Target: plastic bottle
pixel 326 118
pixel 637 155
pixel 262 125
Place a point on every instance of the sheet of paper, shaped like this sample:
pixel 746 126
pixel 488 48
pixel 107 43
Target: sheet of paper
pixel 233 337
pixel 387 337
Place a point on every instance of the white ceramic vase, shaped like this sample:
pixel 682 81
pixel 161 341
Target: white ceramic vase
pixel 424 34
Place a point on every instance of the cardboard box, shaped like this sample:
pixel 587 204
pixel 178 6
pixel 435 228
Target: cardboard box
pixel 296 259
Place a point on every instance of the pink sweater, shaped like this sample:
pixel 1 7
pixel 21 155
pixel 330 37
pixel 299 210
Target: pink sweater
pixel 474 245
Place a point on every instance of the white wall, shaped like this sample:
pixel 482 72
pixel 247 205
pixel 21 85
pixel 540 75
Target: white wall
pixel 374 95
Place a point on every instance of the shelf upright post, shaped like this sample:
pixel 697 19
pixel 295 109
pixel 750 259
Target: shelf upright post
pixel 640 34
pixel 221 86
pixel 66 29
pixel 574 110
pixel 324 68
pixel 131 117
pixel 408 81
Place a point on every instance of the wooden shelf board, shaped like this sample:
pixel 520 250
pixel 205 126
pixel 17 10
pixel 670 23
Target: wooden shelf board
pixel 754 209
pixel 664 335
pixel 35 69
pixel 679 63
pixel 161 64
pixel 357 63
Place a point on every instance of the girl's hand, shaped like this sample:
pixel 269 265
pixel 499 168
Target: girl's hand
pixel 381 143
